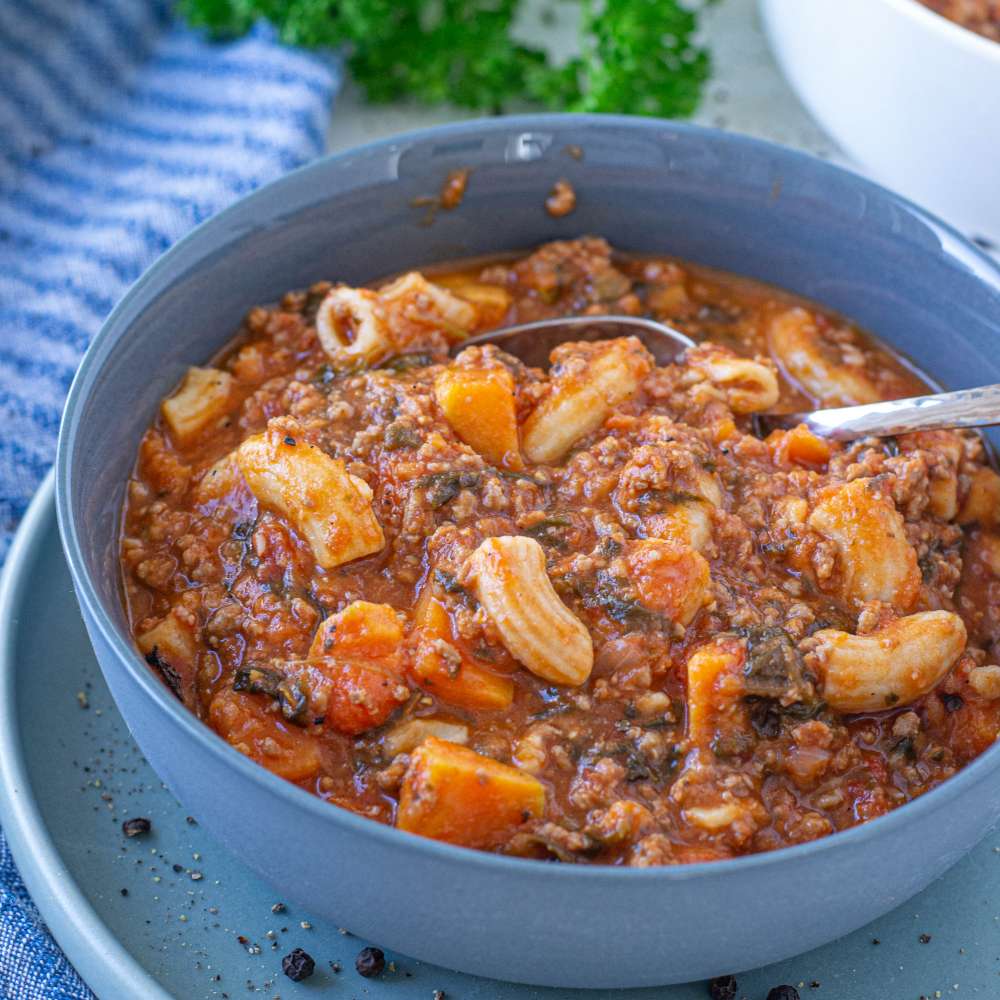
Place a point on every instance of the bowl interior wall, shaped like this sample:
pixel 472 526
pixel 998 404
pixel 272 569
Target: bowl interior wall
pixel 739 205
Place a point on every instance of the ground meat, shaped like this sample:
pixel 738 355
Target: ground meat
pixel 703 730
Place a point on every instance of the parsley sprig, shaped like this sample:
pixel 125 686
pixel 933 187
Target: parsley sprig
pixel 636 56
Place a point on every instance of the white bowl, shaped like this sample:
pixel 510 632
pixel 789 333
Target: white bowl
pixel 913 97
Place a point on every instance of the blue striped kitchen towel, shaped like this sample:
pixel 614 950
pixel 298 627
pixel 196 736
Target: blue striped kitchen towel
pixel 119 131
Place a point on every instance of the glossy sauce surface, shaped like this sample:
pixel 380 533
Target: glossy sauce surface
pixel 703 729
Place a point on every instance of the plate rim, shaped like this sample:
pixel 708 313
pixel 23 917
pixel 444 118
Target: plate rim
pixel 99 958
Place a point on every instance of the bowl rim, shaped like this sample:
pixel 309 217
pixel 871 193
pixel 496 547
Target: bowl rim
pixel 952 30
pixel 389 837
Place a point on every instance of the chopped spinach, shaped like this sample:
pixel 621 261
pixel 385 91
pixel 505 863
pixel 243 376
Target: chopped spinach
pixel 443 487
pixel 550 531
pixel 401 435
pixel 400 363
pixel 447 582
pixel 614 596
pixel 774 667
pixel 273 683
pixel 170 676
pixel 324 375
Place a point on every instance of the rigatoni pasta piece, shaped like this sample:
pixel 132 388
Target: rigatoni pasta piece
pixel 202 399
pixel 352 328
pixel 889 668
pixel 330 508
pixel 414 305
pixel 478 403
pixel 875 560
pixel 509 578
pixel 589 381
pixel 452 793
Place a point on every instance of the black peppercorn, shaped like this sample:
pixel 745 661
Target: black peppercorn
pixel 298 965
pixel 783 993
pixel 952 702
pixel 723 988
pixel 136 827
pixel 370 962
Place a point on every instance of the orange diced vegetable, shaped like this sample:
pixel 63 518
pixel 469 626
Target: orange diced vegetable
pixel 715 691
pixel 244 721
pixel 799 445
pixel 441 668
pixel 362 628
pixel 479 406
pixel 671 578
pixel 362 693
pixel 454 794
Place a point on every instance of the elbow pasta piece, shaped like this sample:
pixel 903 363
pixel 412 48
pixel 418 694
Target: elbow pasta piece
pixel 876 562
pixel 479 406
pixel 982 502
pixel 414 304
pixel 510 580
pixel 202 399
pixel 329 507
pixel 672 579
pixel 892 667
pixel 750 386
pixel 590 381
pixel 715 691
pixel 352 328
pixel 795 344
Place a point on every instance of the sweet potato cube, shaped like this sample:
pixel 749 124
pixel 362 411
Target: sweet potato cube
pixel 356 694
pixel 479 406
pixel 454 794
pixel 715 691
pixel 362 628
pixel 244 722
pixel 202 400
pixel 799 446
pixel 441 668
pixel 315 493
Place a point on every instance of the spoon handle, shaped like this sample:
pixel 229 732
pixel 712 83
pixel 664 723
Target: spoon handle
pixel 978 407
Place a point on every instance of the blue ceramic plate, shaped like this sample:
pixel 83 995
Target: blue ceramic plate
pixel 70 774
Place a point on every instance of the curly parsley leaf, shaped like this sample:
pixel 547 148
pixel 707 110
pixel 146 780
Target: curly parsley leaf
pixel 637 56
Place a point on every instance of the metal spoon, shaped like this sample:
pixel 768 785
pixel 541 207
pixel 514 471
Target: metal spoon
pixel 533 342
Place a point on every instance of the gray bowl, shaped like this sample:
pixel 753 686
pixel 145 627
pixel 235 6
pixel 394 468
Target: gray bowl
pixel 647 185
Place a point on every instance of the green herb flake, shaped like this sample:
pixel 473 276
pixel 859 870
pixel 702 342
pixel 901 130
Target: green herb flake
pixel 636 56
